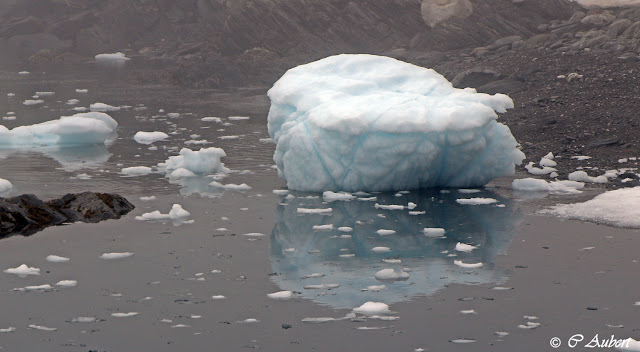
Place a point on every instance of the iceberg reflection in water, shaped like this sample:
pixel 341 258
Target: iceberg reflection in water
pixel 70 158
pixel 347 259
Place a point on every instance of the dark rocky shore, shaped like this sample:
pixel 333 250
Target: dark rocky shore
pixel 28 214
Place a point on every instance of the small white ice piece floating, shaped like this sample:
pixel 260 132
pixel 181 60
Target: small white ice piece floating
pixel 391 275
pixel 331 118
pixel 149 137
pixel 467 248
pixel 124 315
pixel 118 57
pixel 202 162
pixel 330 196
pixel 476 201
pixel 136 171
pixel 556 187
pixel 102 107
pixel 116 255
pixel 176 213
pixel 56 259
pixel 467 265
pixel 23 271
pixel 620 208
pixel 433 231
pixel 67 283
pixel 372 308
pixel 282 295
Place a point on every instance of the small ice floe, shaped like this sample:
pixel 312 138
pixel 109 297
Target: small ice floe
pixel 313 276
pixel 333 196
pixel 23 271
pixel 476 201
pixel 468 191
pixel 467 248
pixel 45 94
pixel 375 288
pixel 321 211
pixel 238 118
pixel 149 137
pixel 384 232
pixel 173 115
pixel 211 119
pixel 545 170
pixel 372 308
pixel 7 330
pixel 417 212
pixel 502 288
pixel 249 321
pixel 67 283
pixel 463 341
pixel 80 109
pixel 266 140
pixel 501 333
pixel 40 327
pixel 124 315
pixel 115 255
pixel 229 137
pixel 389 207
pixel 321 287
pixel 45 287
pixel 468 312
pixel 433 231
pixel 231 186
pixel 177 214
pixel 368 199
pixel 556 187
pixel 326 227
pixel 24 73
pixel 8 118
pixel 83 176
pixel 136 171
pixel 467 265
pixel 5 187
pixel 581 157
pixel 391 275
pixel 582 176
pixel 391 261
pixel 180 326
pixel 217 297
pixel 280 192
pixel 29 102
pixel 529 325
pixel 345 229
pixel 72 101
pixel 119 57
pixel 148 199
pixel 381 249
pixel 84 320
pixel 282 295
pixel 254 234
pixel 102 107
pixel 615 208
pixel 82 91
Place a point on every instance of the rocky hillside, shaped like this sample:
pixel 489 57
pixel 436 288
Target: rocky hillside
pixel 237 42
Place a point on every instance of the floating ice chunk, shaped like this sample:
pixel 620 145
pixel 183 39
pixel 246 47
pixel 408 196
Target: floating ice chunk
pixel 82 90
pixel 324 211
pixel 467 248
pixel 330 196
pixel 249 321
pixel 211 119
pixel 202 162
pixel 217 297
pixel 321 287
pixel 391 261
pixel 376 288
pixel 149 137
pixel 148 199
pixel 29 102
pixel 581 176
pixel 318 320
pixel 544 162
pixel 40 327
pixel 266 140
pixel 45 287
pixel 529 325
pixel 381 249
pixel 467 265
pixel 620 208
pixel 372 308
pixel 390 274
pixel 326 227
pixel 281 192
pixel 56 259
pixel 229 137
pixel 282 295
pixel 581 157
pixel 501 333
pixel 116 255
pixel 5 187
pixel 537 185
pixel 345 229
pixel 102 107
pixel 79 129
pixel 332 117
pixel 24 73
pixel 177 212
pixel 67 283
pixel 383 232
pixel 538 171
pixel 136 171
pixel 463 341
pixel 476 201
pixel 23 271
pixel 238 118
pixel 124 315
pixel 433 231
pixel 389 207
pixel 181 173
pixel 7 330
pixel 468 311
pixel 45 94
pixel 231 186
pixel 112 57
pixel 254 234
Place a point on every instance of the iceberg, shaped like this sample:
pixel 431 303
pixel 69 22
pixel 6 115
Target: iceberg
pixel 373 123
pixel 202 162
pixel 93 128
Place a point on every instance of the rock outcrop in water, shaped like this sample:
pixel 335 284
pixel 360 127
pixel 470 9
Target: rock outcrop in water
pixel 28 214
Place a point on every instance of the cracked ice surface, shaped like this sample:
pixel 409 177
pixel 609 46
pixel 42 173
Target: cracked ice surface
pixel 372 123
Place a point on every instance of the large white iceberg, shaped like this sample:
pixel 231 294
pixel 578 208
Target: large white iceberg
pixel 364 122
pixel 90 128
